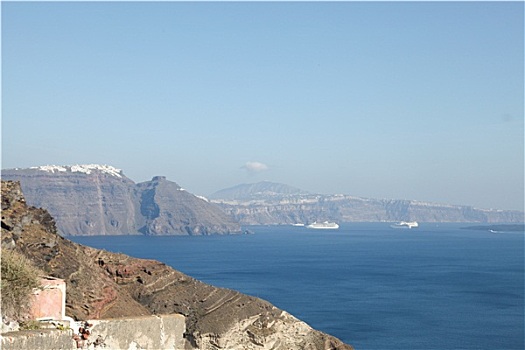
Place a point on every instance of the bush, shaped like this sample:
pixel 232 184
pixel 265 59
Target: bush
pixel 19 278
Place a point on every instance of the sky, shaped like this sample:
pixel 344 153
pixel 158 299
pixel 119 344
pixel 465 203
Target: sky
pixel 395 100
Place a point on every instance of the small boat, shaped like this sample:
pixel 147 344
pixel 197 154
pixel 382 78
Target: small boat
pixel 324 225
pixel 405 224
pixel 298 225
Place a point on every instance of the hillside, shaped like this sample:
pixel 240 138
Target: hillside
pixel 101 284
pixel 264 204
pixel 100 200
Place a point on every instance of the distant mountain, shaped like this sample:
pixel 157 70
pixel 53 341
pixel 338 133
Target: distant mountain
pixel 267 203
pixel 255 191
pixel 100 200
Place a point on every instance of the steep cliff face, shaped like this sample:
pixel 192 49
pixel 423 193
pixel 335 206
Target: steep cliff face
pixel 166 208
pixel 101 200
pixel 101 284
pixel 91 202
pixel 255 205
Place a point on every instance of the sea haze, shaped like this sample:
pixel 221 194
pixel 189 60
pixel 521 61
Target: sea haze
pixel 372 286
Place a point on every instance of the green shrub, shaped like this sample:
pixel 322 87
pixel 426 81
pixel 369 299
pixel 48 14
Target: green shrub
pixel 19 278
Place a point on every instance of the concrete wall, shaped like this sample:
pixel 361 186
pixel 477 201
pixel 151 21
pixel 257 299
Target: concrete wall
pixel 45 339
pixel 147 332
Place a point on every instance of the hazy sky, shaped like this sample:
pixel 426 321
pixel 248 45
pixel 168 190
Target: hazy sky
pixel 412 100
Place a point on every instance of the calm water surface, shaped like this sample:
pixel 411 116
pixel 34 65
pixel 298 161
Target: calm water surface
pixel 434 287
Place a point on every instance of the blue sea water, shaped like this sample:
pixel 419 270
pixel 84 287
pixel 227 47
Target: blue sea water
pixel 374 287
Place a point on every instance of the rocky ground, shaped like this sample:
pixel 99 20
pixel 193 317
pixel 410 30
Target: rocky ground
pixel 101 284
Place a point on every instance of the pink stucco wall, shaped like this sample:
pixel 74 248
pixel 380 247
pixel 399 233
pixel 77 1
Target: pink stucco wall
pixel 49 301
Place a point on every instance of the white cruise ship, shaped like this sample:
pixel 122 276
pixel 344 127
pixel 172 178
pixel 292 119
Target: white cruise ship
pixel 324 225
pixel 405 224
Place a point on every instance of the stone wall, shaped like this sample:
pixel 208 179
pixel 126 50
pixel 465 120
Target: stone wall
pixel 147 332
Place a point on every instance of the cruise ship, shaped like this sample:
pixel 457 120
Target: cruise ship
pixel 405 224
pixel 324 225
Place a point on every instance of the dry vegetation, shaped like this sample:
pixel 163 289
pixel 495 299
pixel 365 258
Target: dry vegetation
pixel 19 278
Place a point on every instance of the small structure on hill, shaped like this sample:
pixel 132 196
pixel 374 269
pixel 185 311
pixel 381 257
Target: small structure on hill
pixel 49 301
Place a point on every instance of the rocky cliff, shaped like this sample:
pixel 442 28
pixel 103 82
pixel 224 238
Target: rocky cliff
pixel 165 208
pixel 267 203
pixel 101 200
pixel 101 284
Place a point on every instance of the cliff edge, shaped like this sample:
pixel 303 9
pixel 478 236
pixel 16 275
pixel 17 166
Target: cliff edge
pixel 93 199
pixel 101 284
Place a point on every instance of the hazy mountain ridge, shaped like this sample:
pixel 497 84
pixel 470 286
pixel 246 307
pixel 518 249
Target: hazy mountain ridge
pixel 100 200
pixel 264 189
pixel 258 208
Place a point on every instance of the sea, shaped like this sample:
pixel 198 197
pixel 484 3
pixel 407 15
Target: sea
pixel 437 286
